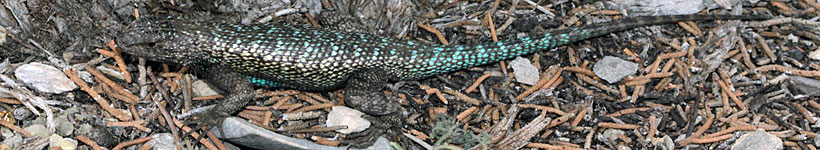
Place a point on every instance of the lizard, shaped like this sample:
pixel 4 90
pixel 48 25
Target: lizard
pixel 236 57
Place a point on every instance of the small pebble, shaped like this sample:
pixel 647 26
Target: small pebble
pixel 22 113
pixel 162 141
pixel 611 135
pixel 37 130
pixel 13 140
pixel 64 126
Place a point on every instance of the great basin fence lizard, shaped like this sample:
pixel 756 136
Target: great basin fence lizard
pixel 234 57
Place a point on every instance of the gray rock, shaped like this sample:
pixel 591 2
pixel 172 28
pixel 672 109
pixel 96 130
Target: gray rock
pixel 6 132
pixel 37 130
pixel 162 141
pixel 668 143
pixel 758 140
pixel 610 135
pixel 623 147
pixel 524 71
pixel 201 88
pixel 341 115
pixel 64 126
pixel 63 143
pixel 82 117
pixel 68 144
pixel 44 78
pixel 86 76
pixel 22 113
pixel 14 141
pixel 37 120
pixel 240 132
pixel 5 63
pixel 85 128
pixel 2 35
pixel 816 140
pixel 807 86
pixel 71 110
pixel 380 144
pixel 613 69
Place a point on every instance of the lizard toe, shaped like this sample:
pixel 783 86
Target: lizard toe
pixel 373 103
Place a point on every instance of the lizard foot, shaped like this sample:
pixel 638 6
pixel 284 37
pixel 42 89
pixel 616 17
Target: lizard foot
pixel 374 103
pixel 387 126
pixel 203 122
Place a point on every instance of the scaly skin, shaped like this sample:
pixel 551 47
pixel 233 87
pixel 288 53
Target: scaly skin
pixel 236 56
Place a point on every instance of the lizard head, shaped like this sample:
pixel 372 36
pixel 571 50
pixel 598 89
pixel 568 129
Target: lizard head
pixel 156 39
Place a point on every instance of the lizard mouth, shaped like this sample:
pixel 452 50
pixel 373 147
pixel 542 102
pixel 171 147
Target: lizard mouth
pixel 134 43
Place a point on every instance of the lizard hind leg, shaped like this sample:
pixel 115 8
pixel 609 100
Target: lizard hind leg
pixel 364 93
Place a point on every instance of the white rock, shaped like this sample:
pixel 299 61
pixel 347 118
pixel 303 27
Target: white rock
pixel 524 71
pixel 815 54
pixel 44 78
pixel 341 115
pixel 613 69
pixel 758 140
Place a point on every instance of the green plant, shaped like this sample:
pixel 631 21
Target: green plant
pixel 446 131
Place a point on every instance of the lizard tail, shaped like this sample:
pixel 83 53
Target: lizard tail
pixel 453 58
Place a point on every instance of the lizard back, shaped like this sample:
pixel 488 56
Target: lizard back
pixel 317 59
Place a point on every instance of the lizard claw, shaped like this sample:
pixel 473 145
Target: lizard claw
pixel 203 122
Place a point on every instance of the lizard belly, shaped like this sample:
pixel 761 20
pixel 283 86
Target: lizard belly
pixel 300 76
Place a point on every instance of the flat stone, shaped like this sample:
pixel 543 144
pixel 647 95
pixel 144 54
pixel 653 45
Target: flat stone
pixel 524 71
pixel 240 132
pixel 758 140
pixel 44 78
pixel 807 86
pixel 613 69
pixel 342 115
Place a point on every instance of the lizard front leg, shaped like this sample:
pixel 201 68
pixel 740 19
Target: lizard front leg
pixel 238 92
